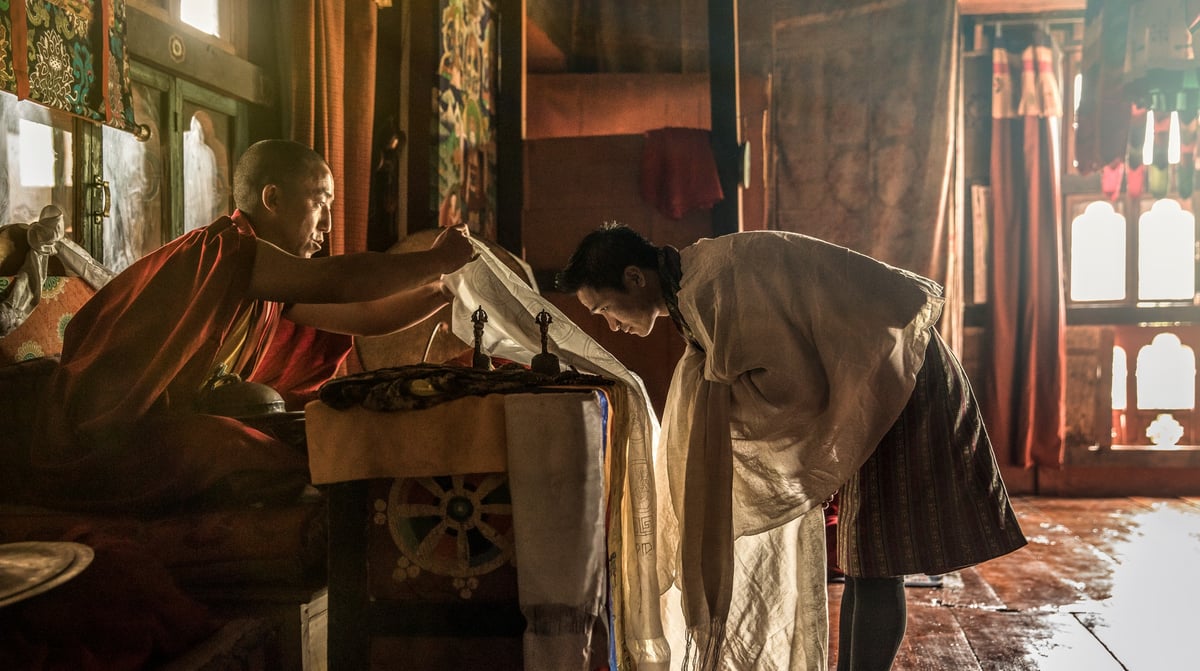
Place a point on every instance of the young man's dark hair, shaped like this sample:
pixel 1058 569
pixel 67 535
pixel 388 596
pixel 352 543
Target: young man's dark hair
pixel 602 257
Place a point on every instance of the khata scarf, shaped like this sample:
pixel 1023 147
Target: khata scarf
pixel 706 535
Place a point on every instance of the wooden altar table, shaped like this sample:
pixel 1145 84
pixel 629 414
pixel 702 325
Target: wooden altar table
pixel 446 522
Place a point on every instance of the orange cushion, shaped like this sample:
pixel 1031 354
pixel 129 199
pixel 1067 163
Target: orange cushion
pixel 42 333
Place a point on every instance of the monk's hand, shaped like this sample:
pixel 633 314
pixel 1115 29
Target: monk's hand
pixel 445 292
pixel 454 247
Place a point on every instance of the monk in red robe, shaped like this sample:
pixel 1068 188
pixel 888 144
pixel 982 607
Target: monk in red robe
pixel 120 428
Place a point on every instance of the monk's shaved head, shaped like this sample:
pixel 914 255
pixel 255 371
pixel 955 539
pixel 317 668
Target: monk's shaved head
pixel 279 162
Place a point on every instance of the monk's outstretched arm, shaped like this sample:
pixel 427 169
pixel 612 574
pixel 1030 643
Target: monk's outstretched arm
pixel 377 317
pixel 353 278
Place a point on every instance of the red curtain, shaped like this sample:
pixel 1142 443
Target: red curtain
pixel 1023 396
pixel 328 49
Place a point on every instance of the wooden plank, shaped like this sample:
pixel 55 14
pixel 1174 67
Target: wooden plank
pixel 934 641
pixel 835 610
pixel 1045 641
pixel 1179 506
pixel 197 57
pixel 834 591
pixel 1117 527
pixel 1105 584
pixel 1024 582
pixel 961 589
pixel 1055 569
pixel 1102 523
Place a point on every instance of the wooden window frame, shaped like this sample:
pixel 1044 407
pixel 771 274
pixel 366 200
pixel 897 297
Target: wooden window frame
pixel 1132 338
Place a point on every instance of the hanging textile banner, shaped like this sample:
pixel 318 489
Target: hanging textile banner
pixel 69 55
pixel 467 76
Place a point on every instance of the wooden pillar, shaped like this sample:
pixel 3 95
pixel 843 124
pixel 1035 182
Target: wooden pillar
pixel 726 112
pixel 421 27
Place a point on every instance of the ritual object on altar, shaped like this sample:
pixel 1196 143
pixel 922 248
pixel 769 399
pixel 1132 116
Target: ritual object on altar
pixel 480 360
pixel 545 363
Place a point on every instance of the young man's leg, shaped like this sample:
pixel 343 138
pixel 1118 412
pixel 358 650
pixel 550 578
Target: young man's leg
pixel 871 624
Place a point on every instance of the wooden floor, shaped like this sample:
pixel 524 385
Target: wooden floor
pixel 1104 585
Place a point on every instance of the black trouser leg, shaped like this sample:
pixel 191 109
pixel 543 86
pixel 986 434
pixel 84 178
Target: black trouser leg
pixel 871 624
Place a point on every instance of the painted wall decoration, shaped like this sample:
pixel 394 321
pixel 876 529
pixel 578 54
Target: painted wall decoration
pixel 68 55
pixel 465 100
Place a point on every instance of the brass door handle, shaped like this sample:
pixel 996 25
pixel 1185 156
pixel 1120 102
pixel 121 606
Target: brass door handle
pixel 106 195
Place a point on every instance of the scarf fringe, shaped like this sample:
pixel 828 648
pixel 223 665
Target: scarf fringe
pixel 703 650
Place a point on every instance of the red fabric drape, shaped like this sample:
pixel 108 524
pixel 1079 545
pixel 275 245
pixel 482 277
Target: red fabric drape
pixel 679 172
pixel 328 61
pixel 321 353
pixel 328 49
pixel 1023 398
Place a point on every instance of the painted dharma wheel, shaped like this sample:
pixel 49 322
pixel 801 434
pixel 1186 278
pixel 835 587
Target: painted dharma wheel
pixel 456 525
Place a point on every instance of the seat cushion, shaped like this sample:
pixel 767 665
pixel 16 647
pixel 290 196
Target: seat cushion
pixel 42 333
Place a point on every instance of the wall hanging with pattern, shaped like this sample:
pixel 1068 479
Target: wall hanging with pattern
pixel 69 55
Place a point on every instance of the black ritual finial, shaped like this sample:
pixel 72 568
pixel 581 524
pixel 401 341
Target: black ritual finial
pixel 480 360
pixel 545 363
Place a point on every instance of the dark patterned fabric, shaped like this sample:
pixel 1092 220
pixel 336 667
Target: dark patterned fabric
pixel 930 499
pixel 670 272
pixel 426 385
pixel 68 55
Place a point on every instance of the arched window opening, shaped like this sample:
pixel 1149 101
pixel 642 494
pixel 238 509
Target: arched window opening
pixel 1166 253
pixel 1166 375
pixel 1153 386
pixel 1098 254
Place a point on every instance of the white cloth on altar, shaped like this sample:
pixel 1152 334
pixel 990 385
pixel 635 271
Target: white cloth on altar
pixel 556 480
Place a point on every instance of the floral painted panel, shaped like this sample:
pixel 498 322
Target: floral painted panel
pixel 69 55
pixel 8 78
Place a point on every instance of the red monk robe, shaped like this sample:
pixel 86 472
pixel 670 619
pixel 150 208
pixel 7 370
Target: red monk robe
pixel 117 427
